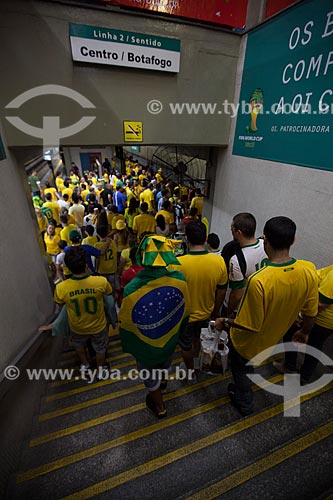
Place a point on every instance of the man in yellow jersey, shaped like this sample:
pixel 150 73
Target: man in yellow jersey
pixel 59 182
pixel 67 190
pixel 321 330
pixel 107 262
pixel 130 193
pixel 166 211
pixel 158 176
pixel 271 302
pixel 83 296
pixel 51 205
pixel 197 201
pixel 51 190
pixel 207 277
pixel 142 176
pixel 147 196
pixel 144 222
pixel 84 192
pixel 66 228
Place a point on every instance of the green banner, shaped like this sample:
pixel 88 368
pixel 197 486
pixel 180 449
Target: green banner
pixel 286 101
pixel 121 36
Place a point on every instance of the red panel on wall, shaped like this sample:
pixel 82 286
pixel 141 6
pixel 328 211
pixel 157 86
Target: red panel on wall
pixel 274 6
pixel 227 12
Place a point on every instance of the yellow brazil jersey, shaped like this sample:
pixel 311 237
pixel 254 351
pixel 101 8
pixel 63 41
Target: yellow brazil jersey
pixel 204 272
pixel 68 191
pixel 52 191
pixel 98 194
pixel 42 222
pixel 90 240
pixel 71 219
pixel 53 205
pixel 84 302
pixel 130 194
pixel 142 177
pixel 168 216
pixel 325 317
pixel 148 197
pixel 197 202
pixel 130 217
pixel 52 244
pixel 60 184
pixel 271 302
pixel 64 233
pixel 144 223
pixel 183 191
pixel 159 178
pixel 138 189
pixel 107 263
pixel 84 194
pixel 114 182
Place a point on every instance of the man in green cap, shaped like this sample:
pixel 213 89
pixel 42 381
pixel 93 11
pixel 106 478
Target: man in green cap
pixel 90 251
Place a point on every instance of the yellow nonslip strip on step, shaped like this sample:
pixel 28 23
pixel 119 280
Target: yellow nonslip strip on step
pixel 184 451
pixel 264 464
pixel 127 438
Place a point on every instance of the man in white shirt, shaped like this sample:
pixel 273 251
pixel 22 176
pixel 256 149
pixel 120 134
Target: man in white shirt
pixel 63 202
pixel 247 260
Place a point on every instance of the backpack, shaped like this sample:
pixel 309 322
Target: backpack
pixel 179 212
pixel 233 248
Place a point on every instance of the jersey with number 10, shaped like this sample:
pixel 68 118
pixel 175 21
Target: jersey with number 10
pixel 84 302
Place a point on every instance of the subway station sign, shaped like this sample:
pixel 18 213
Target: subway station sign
pixel 92 44
pixel 286 100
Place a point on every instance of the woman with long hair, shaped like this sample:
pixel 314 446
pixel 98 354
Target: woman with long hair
pixel 162 228
pixel 130 212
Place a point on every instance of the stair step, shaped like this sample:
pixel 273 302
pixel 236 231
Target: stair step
pixel 212 443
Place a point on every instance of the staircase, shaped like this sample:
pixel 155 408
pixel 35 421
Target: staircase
pixel 98 440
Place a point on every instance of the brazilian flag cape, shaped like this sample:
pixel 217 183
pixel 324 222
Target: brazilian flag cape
pixel 154 312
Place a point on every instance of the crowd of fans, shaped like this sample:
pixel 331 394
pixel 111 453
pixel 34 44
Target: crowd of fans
pixel 146 235
pixel 116 209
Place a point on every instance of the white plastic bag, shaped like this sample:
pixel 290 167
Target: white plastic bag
pixel 214 351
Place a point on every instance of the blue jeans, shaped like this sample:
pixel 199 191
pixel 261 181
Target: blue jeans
pixel 243 392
